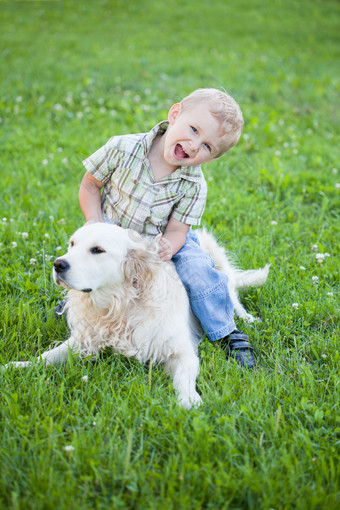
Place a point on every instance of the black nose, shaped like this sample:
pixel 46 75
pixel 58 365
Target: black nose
pixel 61 266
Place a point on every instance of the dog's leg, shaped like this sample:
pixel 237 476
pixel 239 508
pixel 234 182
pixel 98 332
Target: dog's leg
pixel 51 357
pixel 184 369
pixel 239 308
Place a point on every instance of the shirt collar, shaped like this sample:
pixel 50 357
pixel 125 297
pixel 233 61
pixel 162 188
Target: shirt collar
pixel 190 173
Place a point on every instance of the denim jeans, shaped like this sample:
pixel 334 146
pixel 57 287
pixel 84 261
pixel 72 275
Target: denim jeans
pixel 207 288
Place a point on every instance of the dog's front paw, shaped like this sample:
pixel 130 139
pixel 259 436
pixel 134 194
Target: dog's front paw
pixel 16 364
pixel 190 402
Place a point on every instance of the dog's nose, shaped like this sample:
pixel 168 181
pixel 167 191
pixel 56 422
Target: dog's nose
pixel 61 266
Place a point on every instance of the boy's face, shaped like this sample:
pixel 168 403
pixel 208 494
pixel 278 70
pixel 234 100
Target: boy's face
pixel 193 136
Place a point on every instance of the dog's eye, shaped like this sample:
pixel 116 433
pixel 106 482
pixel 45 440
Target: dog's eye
pixel 96 250
pixel 71 243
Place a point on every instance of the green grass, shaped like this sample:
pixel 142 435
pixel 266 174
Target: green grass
pixel 73 74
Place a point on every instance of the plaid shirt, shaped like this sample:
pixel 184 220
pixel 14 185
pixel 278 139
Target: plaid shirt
pixel 132 198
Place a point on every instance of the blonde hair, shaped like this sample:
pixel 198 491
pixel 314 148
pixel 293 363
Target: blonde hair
pixel 224 108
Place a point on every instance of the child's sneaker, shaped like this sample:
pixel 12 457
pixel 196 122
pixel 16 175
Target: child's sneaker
pixel 237 345
pixel 60 309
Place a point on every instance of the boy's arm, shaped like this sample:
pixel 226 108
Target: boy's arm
pixel 173 239
pixel 90 198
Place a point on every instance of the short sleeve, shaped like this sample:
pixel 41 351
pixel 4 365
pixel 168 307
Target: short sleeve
pixel 102 163
pixel 191 207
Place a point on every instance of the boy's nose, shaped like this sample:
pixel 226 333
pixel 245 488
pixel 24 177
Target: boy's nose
pixel 194 146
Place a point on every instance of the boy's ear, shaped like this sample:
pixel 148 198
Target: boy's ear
pixel 174 111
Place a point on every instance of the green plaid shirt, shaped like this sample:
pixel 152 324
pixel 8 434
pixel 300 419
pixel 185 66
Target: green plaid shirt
pixel 132 198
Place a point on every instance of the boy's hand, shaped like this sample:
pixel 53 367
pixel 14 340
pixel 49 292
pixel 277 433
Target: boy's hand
pixel 165 249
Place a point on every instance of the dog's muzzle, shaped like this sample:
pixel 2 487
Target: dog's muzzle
pixel 61 266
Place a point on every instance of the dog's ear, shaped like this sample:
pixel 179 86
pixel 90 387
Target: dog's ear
pixel 139 269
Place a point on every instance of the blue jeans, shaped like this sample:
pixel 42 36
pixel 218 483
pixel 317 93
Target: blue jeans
pixel 207 288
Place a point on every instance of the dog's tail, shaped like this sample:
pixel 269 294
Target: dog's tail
pixel 223 262
pixel 251 278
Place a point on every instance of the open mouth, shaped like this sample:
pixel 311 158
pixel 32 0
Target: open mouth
pixel 180 152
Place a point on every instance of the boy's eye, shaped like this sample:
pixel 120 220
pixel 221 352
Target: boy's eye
pixel 208 147
pixel 194 129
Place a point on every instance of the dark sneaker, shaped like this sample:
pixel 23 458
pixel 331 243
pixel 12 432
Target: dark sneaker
pixel 59 310
pixel 238 346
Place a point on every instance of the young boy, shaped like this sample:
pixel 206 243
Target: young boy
pixel 153 183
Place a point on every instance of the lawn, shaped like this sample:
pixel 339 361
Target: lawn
pixel 108 433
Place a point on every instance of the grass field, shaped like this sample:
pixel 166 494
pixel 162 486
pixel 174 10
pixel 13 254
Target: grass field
pixel 109 434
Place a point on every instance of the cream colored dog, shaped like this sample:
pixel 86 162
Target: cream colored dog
pixel 121 295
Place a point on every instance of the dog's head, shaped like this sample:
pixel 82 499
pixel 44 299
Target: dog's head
pixel 97 257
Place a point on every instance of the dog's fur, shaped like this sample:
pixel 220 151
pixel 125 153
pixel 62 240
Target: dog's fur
pixel 121 295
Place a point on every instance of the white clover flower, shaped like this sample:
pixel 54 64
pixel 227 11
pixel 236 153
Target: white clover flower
pixel 85 378
pixel 47 236
pixel 274 222
pixel 51 218
pixel 12 221
pixel 14 244
pixel 69 448
pixel 24 235
pixel 19 99
pixel 319 257
pixel 80 115
pixel 335 171
pixel 33 262
pixel 113 112
pixel 62 221
pixel 295 305
pixel 330 294
pixel 303 268
pixel 277 153
pixel 58 248
pixel 4 220
pixel 286 145
pixel 45 162
pixel 102 109
pixel 315 279
pixel 58 107
pixel 64 161
pixel 101 100
pixel 60 149
pixel 314 247
pixel 337 185
pixel 327 254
